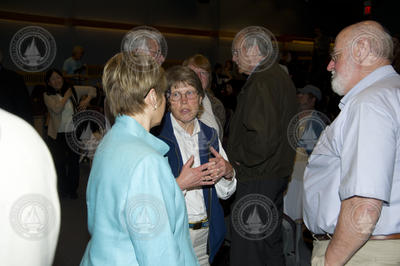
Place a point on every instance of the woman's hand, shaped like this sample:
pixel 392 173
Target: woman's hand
pixel 84 103
pixel 194 177
pixel 220 167
pixel 68 93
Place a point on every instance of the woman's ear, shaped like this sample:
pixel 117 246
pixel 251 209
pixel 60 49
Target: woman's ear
pixel 151 98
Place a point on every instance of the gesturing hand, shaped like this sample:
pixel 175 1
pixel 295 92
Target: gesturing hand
pixel 194 177
pixel 220 167
pixel 84 104
pixel 68 93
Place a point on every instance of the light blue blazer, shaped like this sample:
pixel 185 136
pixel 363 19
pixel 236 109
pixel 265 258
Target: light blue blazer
pixel 136 211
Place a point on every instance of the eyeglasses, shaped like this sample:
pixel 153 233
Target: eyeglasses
pixel 235 52
pixel 146 94
pixel 176 95
pixel 335 55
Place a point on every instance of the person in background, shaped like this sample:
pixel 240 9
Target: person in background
pixel 73 65
pixel 352 179
pixel 136 210
pixel 197 145
pixel 30 209
pixel 309 125
pixel 217 80
pixel 307 98
pixel 228 70
pixel 63 101
pixel 258 146
pixel 213 114
pixel 14 96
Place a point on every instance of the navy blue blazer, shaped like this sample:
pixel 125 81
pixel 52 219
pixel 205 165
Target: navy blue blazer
pixel 207 137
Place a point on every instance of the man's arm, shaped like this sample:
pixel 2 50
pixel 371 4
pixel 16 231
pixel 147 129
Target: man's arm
pixel 357 219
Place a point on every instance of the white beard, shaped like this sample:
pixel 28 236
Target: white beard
pixel 337 83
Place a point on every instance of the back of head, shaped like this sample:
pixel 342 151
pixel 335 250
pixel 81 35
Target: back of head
pixel 372 35
pixel 127 78
pixel 200 61
pixel 255 46
pixel 146 40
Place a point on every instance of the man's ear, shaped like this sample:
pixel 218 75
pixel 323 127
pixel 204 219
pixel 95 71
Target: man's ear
pixel 253 50
pixel 362 53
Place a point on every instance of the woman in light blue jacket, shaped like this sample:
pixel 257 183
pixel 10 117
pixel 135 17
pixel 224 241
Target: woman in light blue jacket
pixel 136 211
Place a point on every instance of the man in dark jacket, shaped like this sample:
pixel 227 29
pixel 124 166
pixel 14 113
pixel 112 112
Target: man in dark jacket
pixel 259 149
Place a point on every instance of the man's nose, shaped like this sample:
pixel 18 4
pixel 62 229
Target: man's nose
pixel 331 66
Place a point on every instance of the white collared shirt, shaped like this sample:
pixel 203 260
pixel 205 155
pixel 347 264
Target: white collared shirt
pixel 188 146
pixel 358 155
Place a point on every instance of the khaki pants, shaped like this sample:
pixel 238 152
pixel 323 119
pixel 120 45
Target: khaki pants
pixel 374 252
pixel 199 241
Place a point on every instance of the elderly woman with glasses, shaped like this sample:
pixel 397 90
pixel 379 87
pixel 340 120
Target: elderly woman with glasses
pixel 136 211
pixel 195 144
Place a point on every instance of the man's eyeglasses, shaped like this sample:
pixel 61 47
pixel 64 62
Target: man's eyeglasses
pixel 176 95
pixel 335 55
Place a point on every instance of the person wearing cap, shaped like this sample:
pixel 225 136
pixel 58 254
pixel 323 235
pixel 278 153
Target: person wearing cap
pixel 352 179
pixel 259 149
pixel 307 98
pixel 309 126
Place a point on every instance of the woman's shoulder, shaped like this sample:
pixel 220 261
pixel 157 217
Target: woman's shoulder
pixel 126 145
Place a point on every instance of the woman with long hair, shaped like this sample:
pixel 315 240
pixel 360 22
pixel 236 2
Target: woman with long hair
pixel 63 101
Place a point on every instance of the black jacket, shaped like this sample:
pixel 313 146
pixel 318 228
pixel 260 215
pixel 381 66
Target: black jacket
pixel 14 96
pixel 258 139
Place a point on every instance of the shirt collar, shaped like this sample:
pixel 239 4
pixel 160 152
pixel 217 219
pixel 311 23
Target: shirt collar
pixel 136 129
pixel 177 128
pixel 371 78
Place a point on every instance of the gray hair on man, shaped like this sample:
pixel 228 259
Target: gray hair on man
pixel 378 39
pixel 146 40
pixel 260 37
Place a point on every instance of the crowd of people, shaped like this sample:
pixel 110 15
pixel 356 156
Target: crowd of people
pixel 187 139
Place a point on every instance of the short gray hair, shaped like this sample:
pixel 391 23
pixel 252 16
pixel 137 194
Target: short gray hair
pixel 379 40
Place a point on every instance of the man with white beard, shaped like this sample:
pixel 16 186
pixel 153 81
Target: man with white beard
pixel 351 183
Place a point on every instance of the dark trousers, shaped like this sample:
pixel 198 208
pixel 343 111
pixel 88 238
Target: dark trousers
pixel 67 165
pixel 264 250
